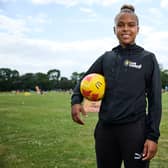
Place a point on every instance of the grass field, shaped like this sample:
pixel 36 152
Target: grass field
pixel 36 131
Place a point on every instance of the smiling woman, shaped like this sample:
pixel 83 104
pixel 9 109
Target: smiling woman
pixel 125 130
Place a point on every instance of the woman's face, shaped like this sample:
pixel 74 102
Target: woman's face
pixel 126 28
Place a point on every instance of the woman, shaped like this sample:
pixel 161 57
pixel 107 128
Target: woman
pixel 125 130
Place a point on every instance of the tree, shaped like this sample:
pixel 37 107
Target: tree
pixel 54 74
pixel 27 81
pixel 14 74
pixel 65 84
pixel 6 78
pixel 75 77
pixel 42 81
pixel 5 73
pixel 15 79
pixel 164 78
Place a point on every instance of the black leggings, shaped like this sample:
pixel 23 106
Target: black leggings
pixel 117 143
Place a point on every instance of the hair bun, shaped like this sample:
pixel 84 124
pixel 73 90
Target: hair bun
pixel 127 8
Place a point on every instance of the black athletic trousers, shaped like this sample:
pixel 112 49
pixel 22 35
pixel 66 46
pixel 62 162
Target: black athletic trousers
pixel 117 143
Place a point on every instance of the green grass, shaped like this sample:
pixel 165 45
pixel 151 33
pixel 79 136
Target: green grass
pixel 36 131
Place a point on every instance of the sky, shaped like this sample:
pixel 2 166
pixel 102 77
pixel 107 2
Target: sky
pixel 69 35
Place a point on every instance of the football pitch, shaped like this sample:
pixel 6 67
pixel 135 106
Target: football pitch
pixel 36 131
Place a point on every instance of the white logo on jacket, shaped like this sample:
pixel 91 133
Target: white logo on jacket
pixel 137 156
pixel 132 64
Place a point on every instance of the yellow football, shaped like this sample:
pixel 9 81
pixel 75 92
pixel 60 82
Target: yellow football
pixel 92 86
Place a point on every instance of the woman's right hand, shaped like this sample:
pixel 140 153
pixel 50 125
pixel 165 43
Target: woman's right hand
pixel 76 111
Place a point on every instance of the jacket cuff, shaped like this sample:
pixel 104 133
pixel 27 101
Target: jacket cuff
pixel 152 138
pixel 76 99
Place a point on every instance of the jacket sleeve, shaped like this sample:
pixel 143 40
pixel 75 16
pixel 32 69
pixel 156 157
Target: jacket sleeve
pixel 154 102
pixel 96 67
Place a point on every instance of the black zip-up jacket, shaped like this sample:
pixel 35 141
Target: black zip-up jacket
pixel 133 83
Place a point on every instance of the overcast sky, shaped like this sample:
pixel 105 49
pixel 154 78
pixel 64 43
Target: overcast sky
pixel 39 35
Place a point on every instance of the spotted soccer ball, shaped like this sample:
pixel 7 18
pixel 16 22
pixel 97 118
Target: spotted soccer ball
pixel 92 87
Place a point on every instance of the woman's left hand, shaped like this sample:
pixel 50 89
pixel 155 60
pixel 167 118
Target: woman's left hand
pixel 150 149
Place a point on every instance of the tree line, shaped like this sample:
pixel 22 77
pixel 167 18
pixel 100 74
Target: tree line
pixel 52 80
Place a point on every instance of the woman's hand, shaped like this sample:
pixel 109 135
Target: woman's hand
pixel 150 149
pixel 76 111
